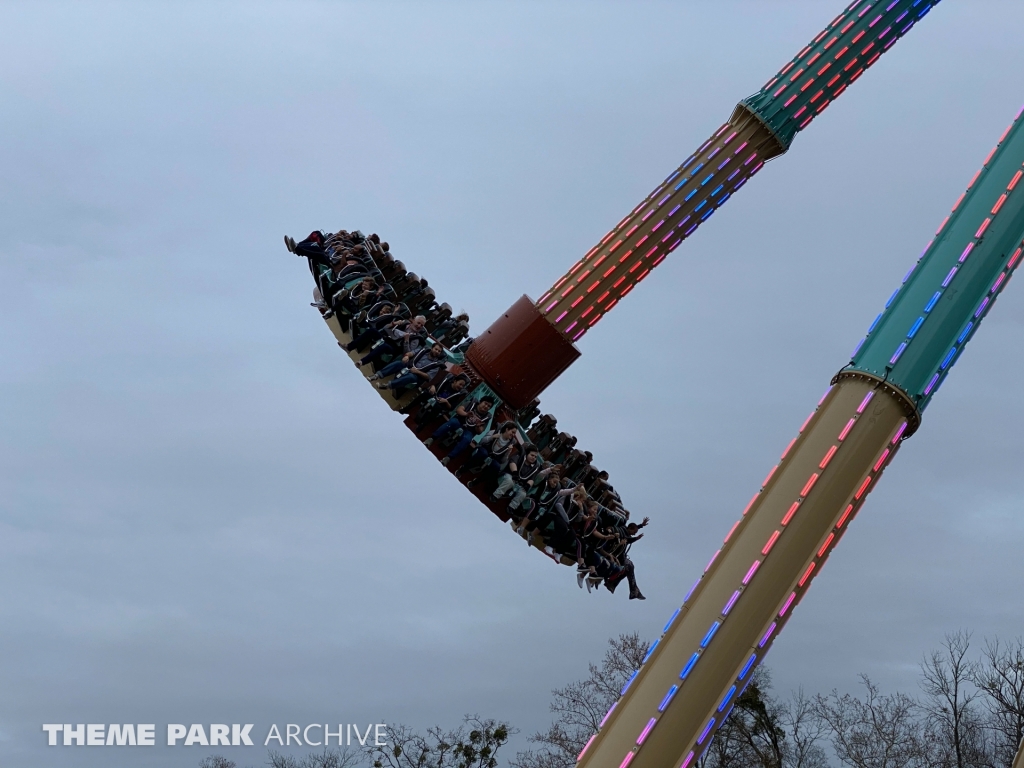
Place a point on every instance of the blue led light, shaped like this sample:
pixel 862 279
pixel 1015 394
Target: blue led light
pixel 915 327
pixel 891 298
pixel 710 634
pixel 668 698
pixel 692 193
pixel 948 359
pixel 689 666
pixel 707 730
pixel 857 348
pixel 650 650
pixel 707 215
pixel 931 304
pixel 671 619
pixel 702 204
pixel 717 189
pixel 709 178
pixel 963 335
pixel 726 197
pixel 748 665
pixel 875 324
pixel 628 683
pixel 728 696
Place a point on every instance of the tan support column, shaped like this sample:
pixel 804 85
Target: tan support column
pixel 670 711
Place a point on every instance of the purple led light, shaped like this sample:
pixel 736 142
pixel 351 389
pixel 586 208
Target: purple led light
pixel 931 384
pixel 585 748
pixel 551 305
pixel 712 560
pixel 984 303
pixel 824 396
pixel 864 403
pixel 900 431
pixel 627 759
pixel 646 730
pixel 707 730
pixel 788 603
pixel 857 348
pixel 767 635
pixel 731 603
pixel 686 762
pixel 966 253
pixel 895 357
pixel 949 277
pixel 690 593
pixel 751 572
pixel 607 715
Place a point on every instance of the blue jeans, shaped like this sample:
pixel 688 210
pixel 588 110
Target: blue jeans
pixel 450 426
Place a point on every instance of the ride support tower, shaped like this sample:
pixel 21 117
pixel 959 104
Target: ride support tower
pixel 671 708
pixel 532 343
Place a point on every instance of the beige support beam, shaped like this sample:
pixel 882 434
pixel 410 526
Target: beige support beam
pixel 682 694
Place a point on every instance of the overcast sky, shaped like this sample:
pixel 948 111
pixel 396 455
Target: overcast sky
pixel 207 516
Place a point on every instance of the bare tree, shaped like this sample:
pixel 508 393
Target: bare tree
pixel 878 732
pixel 474 744
pixel 582 704
pixel 956 726
pixel 216 761
pixel 328 758
pixel 805 729
pixel 1000 676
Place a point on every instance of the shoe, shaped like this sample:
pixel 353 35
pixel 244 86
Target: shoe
pixel 580 576
pixel 590 587
pixel 374 377
pixel 428 442
pixel 638 595
pixel 381 386
pixel 445 460
pixel 288 245
pixel 473 482
pixel 328 314
pixel 477 470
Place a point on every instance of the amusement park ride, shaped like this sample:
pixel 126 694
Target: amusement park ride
pixel 670 709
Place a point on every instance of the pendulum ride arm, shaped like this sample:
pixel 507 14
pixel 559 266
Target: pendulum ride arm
pixel 671 708
pixel 531 344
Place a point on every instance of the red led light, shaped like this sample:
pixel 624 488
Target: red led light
pixel 881 459
pixel 958 201
pixel 810 484
pixel 857 37
pixel 846 514
pixel 840 54
pixel 990 154
pixel 771 543
pixel 829 43
pixel 982 228
pixel 732 531
pixel 769 477
pixel 825 546
pixel 788 447
pixel 822 70
pixel 846 429
pixel 583 275
pixel 789 514
pixel 796 75
pixel 1015 180
pixel 610 269
pixel 806 422
pixel 578 300
pixel 750 503
pixel 863 487
pixel 807 574
pixel 828 456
